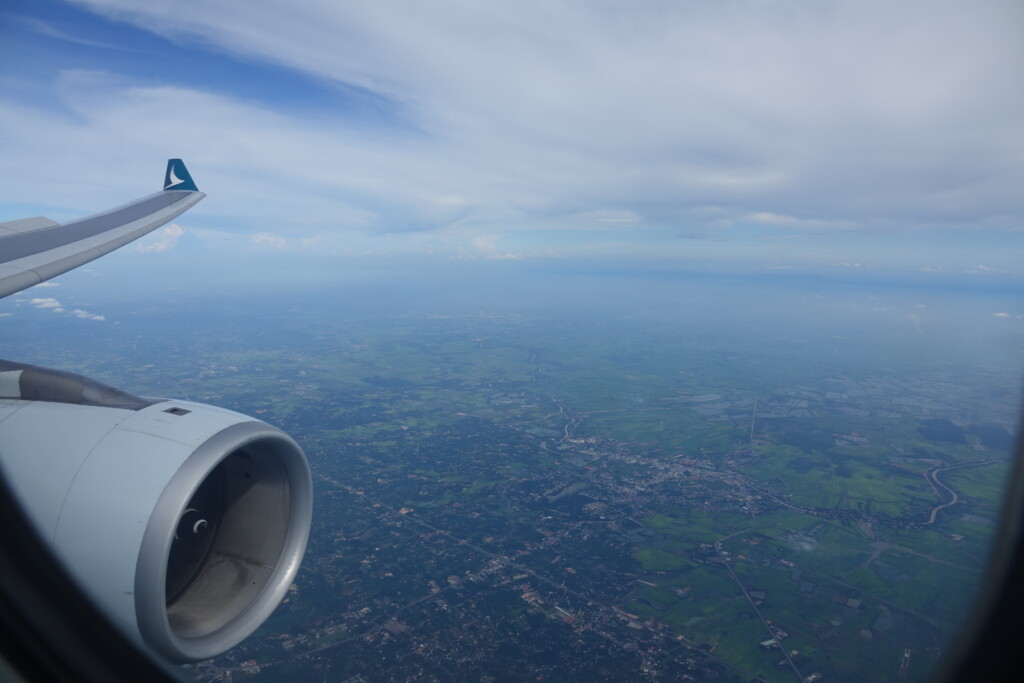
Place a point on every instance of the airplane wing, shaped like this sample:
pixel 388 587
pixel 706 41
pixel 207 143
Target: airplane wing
pixel 33 250
pixel 185 523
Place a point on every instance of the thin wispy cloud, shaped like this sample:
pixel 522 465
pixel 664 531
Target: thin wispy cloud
pixel 767 218
pixel 49 30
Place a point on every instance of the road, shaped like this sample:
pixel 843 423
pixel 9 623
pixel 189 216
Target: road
pixel 753 605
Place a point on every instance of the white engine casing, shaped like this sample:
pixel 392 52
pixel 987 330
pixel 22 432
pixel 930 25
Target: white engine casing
pixel 107 487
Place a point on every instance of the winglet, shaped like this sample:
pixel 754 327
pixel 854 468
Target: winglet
pixel 177 177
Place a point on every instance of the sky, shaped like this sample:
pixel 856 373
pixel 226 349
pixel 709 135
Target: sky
pixel 856 139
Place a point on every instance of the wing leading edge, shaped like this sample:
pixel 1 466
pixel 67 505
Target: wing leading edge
pixel 35 250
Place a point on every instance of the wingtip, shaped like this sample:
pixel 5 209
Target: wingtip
pixel 177 177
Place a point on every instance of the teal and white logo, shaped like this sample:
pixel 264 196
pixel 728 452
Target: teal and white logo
pixel 177 176
pixel 174 180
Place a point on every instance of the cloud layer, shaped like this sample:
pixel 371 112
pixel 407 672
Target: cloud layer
pixel 469 122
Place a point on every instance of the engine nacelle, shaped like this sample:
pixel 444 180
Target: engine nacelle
pixel 184 522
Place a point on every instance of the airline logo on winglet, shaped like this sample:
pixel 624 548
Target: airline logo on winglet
pixel 177 177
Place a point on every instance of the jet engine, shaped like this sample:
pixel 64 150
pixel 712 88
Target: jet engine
pixel 184 522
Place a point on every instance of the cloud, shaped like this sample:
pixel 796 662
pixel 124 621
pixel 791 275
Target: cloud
pixel 55 306
pixel 85 315
pixel 486 247
pixel 486 243
pixel 49 30
pixel 1002 315
pixel 166 239
pixel 6 315
pixel 608 216
pixel 49 283
pixel 987 270
pixel 265 239
pixel 493 117
pixel 768 218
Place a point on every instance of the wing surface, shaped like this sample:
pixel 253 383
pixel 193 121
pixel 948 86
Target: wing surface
pixel 26 225
pixel 33 250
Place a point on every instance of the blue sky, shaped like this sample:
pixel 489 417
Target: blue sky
pixel 864 139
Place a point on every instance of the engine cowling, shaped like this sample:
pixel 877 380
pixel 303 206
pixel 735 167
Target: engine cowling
pixel 185 523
